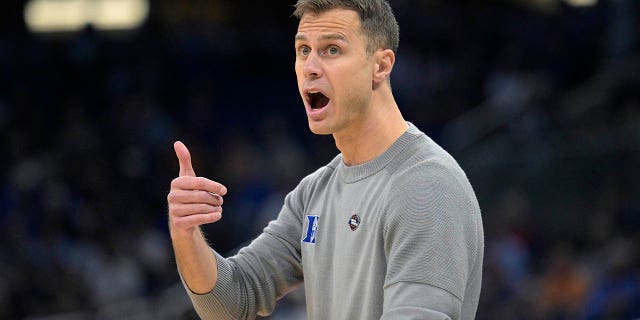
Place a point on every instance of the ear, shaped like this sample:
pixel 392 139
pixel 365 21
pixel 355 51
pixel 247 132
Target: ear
pixel 384 60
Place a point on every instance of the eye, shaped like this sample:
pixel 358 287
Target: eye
pixel 333 50
pixel 304 51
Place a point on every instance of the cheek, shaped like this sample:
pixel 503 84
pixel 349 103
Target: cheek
pixel 359 82
pixel 348 78
pixel 299 75
pixel 355 94
pixel 359 76
pixel 352 85
pixel 298 69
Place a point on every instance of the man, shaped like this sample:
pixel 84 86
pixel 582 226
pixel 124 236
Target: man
pixel 389 229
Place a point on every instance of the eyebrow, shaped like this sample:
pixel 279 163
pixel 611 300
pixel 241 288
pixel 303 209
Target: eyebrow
pixel 329 36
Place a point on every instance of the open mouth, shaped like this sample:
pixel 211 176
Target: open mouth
pixel 317 100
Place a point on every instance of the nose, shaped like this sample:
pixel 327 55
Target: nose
pixel 312 68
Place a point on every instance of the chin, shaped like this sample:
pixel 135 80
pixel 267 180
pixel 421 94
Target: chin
pixel 319 129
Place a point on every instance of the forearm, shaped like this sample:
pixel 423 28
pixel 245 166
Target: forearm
pixel 196 262
pixel 248 283
pixel 241 286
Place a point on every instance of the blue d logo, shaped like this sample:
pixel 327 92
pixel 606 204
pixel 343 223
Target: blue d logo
pixel 311 229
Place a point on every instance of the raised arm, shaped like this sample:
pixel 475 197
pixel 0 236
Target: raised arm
pixel 193 201
pixel 247 284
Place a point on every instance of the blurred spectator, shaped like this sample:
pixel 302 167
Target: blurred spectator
pixel 562 287
pixel 616 294
pixel 541 107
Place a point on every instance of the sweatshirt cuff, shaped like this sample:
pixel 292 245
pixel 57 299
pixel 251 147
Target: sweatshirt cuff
pixel 218 303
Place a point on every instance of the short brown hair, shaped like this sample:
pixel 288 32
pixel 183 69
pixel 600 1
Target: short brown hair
pixel 379 25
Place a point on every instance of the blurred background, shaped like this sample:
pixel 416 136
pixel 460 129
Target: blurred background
pixel 539 101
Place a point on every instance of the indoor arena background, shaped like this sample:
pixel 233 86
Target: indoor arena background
pixel 539 100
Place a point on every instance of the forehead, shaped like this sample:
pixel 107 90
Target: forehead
pixel 341 21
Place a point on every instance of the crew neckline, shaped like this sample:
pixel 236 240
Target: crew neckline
pixel 358 172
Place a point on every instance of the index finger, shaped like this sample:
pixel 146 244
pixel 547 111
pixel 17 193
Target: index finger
pixel 198 183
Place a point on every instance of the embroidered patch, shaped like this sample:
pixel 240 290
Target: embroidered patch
pixel 354 222
pixel 312 228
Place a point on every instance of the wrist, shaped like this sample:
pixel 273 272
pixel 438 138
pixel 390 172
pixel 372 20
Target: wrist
pixel 182 236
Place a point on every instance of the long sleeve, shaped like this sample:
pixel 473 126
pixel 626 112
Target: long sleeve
pixel 251 282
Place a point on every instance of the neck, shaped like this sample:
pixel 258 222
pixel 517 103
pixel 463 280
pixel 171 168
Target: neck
pixel 374 134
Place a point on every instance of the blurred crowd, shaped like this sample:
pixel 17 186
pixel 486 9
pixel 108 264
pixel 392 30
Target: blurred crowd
pixel 541 107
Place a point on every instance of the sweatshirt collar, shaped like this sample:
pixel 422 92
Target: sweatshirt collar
pixel 355 173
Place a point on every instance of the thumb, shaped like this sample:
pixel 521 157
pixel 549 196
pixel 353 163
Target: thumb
pixel 184 158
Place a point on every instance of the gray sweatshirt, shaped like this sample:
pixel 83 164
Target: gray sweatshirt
pixel 399 237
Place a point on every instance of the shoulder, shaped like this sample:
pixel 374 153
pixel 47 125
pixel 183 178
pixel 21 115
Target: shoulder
pixel 427 184
pixel 316 179
pixel 426 165
pixel 320 174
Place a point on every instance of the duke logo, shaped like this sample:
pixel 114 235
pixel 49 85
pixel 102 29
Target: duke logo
pixel 312 228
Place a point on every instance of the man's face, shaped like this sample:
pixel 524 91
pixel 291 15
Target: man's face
pixel 334 71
